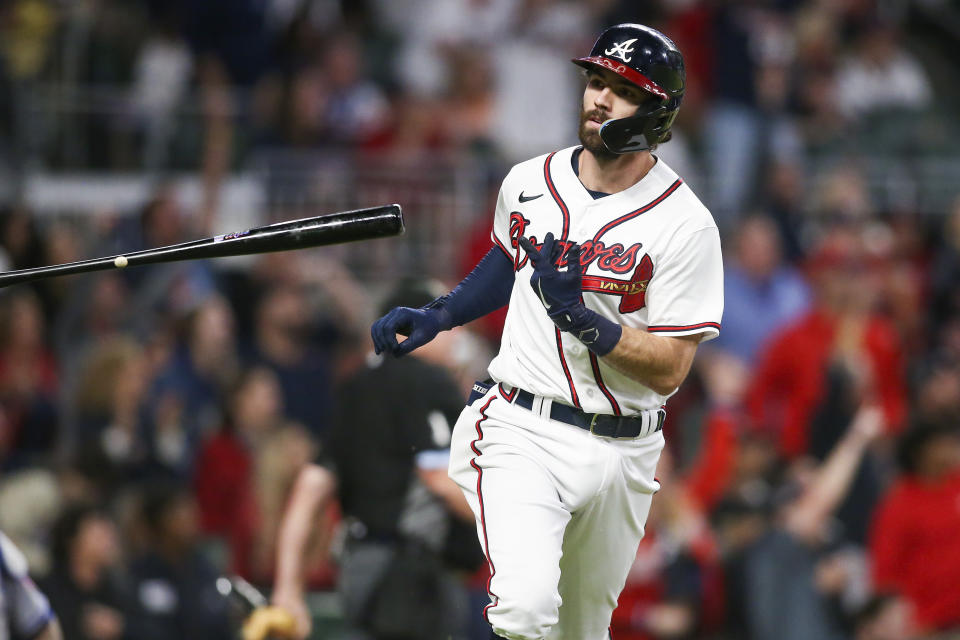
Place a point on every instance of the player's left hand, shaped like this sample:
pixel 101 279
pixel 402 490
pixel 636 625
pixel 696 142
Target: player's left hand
pixel 559 291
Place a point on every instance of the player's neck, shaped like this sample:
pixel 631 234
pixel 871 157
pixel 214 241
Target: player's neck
pixel 614 174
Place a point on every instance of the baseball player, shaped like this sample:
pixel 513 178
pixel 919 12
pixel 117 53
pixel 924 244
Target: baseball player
pixel 612 271
pixel 24 610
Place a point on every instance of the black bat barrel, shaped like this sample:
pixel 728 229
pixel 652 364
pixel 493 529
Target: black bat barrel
pixel 334 228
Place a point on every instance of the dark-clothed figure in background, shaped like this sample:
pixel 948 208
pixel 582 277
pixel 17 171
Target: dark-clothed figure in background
pixel 388 467
pixel 81 588
pixel 795 574
pixel 172 585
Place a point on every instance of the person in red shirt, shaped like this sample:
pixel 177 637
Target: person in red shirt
pixel 914 546
pixel 842 332
pixel 229 479
pixel 29 382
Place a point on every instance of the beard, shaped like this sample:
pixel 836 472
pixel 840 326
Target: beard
pixel 590 138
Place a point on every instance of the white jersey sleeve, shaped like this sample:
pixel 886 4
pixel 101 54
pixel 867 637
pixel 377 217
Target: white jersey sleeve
pixel 685 294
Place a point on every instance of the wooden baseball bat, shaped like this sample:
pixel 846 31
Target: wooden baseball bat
pixel 334 228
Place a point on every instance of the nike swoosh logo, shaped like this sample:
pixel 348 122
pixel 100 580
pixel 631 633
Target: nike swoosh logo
pixel 524 198
pixel 543 298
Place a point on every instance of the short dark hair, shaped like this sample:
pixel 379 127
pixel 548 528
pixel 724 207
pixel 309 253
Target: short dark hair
pixel 913 442
pixel 66 528
pixel 156 501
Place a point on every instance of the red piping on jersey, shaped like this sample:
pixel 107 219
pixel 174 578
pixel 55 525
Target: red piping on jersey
pixel 483 521
pixel 566 371
pixel 556 197
pixel 497 242
pixel 633 214
pixel 596 376
pixel 686 327
pixel 507 396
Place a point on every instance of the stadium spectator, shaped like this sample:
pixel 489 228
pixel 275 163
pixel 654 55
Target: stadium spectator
pixel 112 417
pixel 160 293
pixel 881 75
pixel 945 270
pixel 82 587
pixel 467 111
pixel 748 38
pixel 160 82
pixel 783 200
pixel 937 388
pixel 797 575
pixel 173 591
pixel 187 393
pixel 428 30
pixel 20 238
pixel 225 481
pixel 760 292
pixel 284 342
pixel 415 134
pixel 277 462
pixel 352 107
pixel 913 545
pixel 841 332
pixel 531 59
pixel 29 382
pixel 713 469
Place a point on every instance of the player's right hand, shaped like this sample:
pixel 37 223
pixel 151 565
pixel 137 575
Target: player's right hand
pixel 419 325
pixel 560 292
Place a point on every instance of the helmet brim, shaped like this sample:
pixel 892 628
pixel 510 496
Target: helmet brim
pixel 624 71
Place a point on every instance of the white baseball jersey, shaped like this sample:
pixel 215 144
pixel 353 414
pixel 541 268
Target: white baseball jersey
pixel 651 260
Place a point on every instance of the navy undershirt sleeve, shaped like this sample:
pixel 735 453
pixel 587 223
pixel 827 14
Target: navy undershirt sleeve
pixel 484 290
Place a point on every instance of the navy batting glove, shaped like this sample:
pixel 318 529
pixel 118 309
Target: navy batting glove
pixel 419 325
pixel 561 293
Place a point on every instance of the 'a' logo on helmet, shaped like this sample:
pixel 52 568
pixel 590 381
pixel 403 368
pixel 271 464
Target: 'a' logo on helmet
pixel 621 49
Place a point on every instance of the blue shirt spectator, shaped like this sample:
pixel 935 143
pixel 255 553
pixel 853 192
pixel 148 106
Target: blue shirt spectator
pixel 761 293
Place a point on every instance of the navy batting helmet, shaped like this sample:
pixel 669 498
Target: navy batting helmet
pixel 650 60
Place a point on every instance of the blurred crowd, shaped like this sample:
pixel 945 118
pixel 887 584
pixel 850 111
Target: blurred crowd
pixel 152 420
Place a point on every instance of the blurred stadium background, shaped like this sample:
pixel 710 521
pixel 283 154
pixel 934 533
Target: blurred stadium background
pixel 180 399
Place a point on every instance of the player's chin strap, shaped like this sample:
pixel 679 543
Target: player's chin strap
pixel 638 132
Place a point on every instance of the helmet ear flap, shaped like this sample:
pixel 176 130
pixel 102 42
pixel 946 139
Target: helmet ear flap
pixel 639 132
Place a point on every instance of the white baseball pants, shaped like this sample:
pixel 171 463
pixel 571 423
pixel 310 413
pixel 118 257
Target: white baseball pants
pixel 560 513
